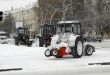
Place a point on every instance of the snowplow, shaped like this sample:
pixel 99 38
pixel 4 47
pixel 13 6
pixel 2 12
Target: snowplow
pixel 69 41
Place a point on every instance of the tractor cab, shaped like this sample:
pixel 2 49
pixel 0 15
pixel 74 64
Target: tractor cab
pixel 66 29
pixel 69 27
pixel 22 31
pixel 46 31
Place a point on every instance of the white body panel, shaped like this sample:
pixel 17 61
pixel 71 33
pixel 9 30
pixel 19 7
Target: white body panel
pixel 57 42
pixel 70 40
pixel 54 40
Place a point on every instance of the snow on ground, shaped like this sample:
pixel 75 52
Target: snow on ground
pixel 103 44
pixel 33 61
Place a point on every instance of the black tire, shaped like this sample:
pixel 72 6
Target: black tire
pixel 16 43
pixel 41 43
pixel 75 52
pixel 29 44
pixel 46 45
pixel 47 55
pixel 55 53
pixel 89 50
pixel 100 40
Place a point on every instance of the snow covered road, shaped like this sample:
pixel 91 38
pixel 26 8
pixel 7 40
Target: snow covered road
pixel 33 61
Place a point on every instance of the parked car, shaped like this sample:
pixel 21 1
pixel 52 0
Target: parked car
pixel 3 37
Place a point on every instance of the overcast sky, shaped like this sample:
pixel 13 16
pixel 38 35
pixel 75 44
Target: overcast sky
pixel 7 4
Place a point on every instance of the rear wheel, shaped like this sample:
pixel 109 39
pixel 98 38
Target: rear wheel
pixel 16 41
pixel 89 50
pixel 39 42
pixel 78 49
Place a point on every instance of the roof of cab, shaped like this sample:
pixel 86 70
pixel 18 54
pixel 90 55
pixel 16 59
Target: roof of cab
pixel 62 22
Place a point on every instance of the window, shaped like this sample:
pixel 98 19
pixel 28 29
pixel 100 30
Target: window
pixel 76 29
pixel 79 29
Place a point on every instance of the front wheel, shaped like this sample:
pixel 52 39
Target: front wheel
pixel 78 49
pixel 47 53
pixel 56 54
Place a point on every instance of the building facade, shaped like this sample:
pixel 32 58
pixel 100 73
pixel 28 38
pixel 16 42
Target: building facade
pixel 28 17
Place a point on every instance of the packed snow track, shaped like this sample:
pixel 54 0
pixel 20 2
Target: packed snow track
pixel 33 62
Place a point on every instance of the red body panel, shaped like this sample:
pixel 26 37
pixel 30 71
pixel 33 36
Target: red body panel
pixel 62 51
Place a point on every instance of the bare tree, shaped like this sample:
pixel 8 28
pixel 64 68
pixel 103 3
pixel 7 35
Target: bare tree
pixel 52 11
pixel 47 10
pixel 8 24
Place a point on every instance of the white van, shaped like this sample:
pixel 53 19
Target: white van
pixel 3 37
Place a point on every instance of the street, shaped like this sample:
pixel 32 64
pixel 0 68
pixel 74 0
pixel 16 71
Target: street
pixel 32 61
pixel 54 37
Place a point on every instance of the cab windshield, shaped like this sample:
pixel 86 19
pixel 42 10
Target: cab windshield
pixel 48 29
pixel 72 28
pixel 23 31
